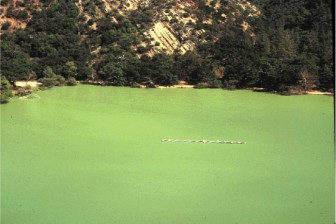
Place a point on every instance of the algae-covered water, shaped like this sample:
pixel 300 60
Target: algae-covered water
pixel 94 155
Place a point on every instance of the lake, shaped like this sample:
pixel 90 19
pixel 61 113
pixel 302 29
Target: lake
pixel 94 155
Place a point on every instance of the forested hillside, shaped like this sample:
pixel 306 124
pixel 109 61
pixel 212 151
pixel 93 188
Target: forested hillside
pixel 275 45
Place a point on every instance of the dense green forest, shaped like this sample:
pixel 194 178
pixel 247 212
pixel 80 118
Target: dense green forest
pixel 289 44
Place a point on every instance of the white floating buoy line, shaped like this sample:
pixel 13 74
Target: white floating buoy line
pixel 202 141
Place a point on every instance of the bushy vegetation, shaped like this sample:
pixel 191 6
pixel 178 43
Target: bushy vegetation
pixel 71 82
pixel 289 41
pixel 6 90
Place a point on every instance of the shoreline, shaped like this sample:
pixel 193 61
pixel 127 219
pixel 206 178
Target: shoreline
pixel 319 93
pixel 176 87
pixel 104 83
pixel 293 92
pixel 181 85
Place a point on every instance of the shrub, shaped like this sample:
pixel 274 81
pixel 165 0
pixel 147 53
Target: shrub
pixel 10 12
pixel 90 22
pixel 20 4
pixel 202 85
pixel 230 84
pixel 48 82
pixel 22 15
pixel 4 2
pixel 60 80
pixel 173 20
pixel 4 98
pixel 6 25
pixel 24 91
pixel 215 84
pixel 135 85
pixel 71 82
pixel 56 80
pixel 142 49
pixel 6 90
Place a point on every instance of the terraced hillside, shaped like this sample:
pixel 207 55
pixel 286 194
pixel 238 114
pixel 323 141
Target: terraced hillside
pixel 175 24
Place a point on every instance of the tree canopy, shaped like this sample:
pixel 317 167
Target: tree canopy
pixel 289 41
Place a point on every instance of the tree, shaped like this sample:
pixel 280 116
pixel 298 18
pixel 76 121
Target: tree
pixel 48 72
pixel 191 67
pixel 15 64
pixel 70 69
pixel 157 69
pixel 114 73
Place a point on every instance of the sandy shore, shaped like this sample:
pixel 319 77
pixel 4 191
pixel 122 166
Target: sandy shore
pixel 175 87
pixel 296 92
pixel 27 83
pixel 319 93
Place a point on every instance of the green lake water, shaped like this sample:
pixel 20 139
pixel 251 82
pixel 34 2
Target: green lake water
pixel 93 155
